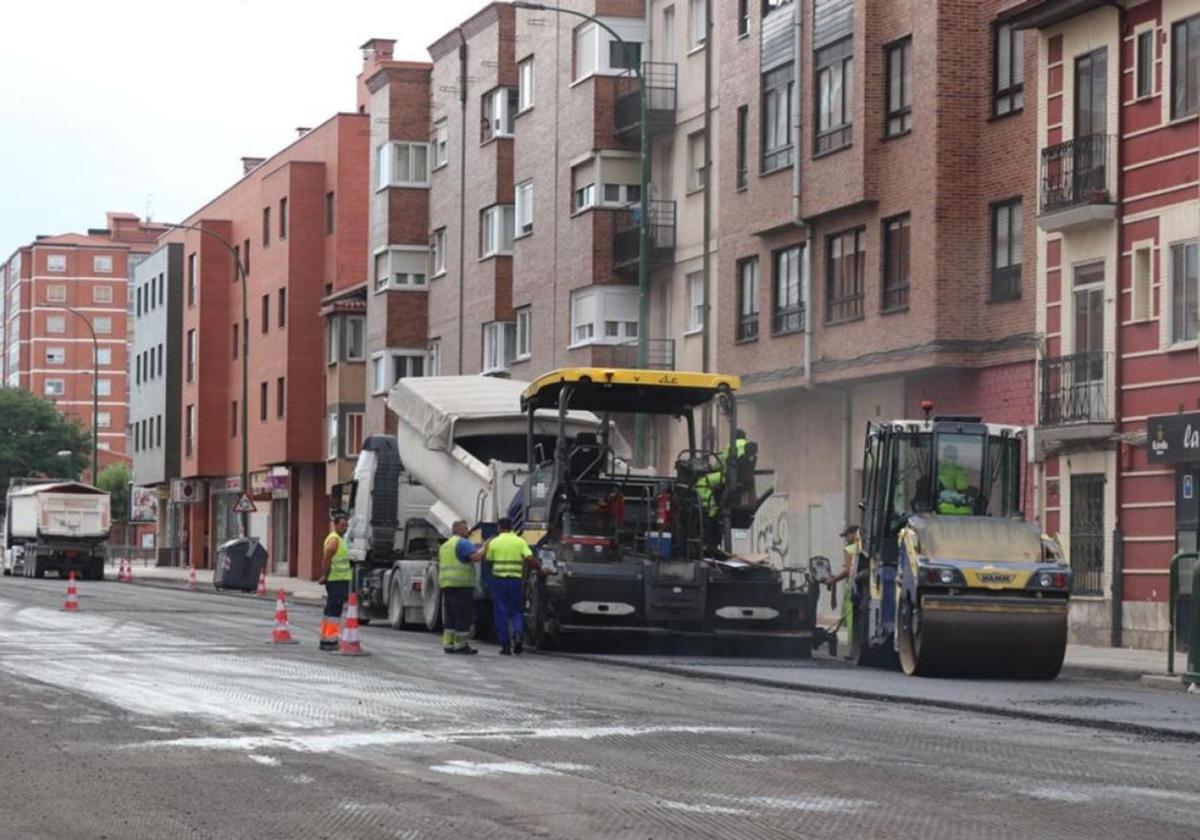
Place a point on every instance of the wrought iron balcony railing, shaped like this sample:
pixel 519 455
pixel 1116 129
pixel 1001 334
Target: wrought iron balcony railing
pixel 1074 389
pixel 1077 172
pixel 659 78
pixel 626 235
pixel 660 354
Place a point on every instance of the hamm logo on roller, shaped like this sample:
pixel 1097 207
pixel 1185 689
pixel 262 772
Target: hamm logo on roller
pixel 995 577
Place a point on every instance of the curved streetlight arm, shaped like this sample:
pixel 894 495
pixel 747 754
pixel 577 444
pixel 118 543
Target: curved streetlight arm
pixel 245 408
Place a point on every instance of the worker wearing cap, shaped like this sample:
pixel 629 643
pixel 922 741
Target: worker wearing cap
pixel 456 579
pixel 954 484
pixel 851 548
pixel 507 553
pixel 335 574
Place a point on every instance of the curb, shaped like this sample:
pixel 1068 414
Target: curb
pixel 1101 672
pixel 207 589
pixel 926 702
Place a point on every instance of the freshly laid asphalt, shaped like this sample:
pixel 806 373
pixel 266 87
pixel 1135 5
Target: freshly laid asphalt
pixel 160 713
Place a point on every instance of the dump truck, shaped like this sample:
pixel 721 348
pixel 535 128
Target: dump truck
pixel 952 579
pixel 459 452
pixel 58 526
pixel 635 551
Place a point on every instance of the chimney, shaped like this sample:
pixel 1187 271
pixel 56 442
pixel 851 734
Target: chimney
pixel 249 164
pixel 375 53
pixel 302 130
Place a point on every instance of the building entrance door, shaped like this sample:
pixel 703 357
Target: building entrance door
pixel 1087 533
pixel 280 528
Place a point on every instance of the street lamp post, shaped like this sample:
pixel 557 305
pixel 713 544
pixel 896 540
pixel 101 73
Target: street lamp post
pixel 644 213
pixel 241 275
pixel 70 456
pixel 95 388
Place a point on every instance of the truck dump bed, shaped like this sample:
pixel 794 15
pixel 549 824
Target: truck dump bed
pixel 58 511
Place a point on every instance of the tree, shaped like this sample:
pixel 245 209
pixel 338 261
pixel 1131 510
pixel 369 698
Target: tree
pixel 115 479
pixel 32 433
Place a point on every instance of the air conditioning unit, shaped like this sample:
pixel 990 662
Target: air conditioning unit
pixel 187 490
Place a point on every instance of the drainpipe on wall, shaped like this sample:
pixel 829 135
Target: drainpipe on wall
pixel 709 186
pixel 797 217
pixel 462 196
pixel 1117 592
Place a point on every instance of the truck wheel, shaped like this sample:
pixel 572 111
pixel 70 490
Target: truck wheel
pixel 38 571
pixel 537 631
pixel 431 599
pixel 97 569
pixel 908 639
pixel 395 607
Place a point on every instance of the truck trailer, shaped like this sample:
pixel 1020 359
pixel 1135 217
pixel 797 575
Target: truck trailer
pixel 59 526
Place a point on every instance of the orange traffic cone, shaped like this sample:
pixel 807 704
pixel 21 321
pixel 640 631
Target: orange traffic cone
pixel 349 643
pixel 262 584
pixel 282 634
pixel 329 633
pixel 72 603
pixel 123 575
pixel 192 578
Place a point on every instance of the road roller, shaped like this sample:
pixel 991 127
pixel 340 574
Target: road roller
pixel 950 578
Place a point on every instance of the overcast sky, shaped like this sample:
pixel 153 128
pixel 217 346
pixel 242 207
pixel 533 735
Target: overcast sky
pixel 148 104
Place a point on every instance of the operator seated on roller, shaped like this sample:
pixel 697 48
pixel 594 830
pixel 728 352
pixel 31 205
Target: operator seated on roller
pixel 958 486
pixel 711 485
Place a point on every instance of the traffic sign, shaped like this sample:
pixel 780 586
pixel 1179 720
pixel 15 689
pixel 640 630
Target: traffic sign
pixel 244 505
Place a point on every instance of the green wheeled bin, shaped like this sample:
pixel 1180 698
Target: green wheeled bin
pixel 1193 654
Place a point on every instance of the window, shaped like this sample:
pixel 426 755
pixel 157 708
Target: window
pixel 266 227
pixel 354 433
pixel 525 84
pixel 403 165
pixel 695 292
pixel 331 450
pixel 1185 292
pixel 835 96
pixel 401 268
pixel 56 355
pixel 1008 70
pixel 138 306
pixel 899 88
pixel 234 333
pixel 747 324
pixel 189 429
pixel 438 249
pixel 56 263
pixel 524 325
pixel 1006 250
pixel 191 356
pixel 895 263
pixel 102 294
pixel 743 17
pixel 283 219
pixel 159 355
pixel 281 315
pixel 237 263
pixel 266 313
pixel 407 364
pixel 499 108
pixel 1144 80
pixel 697 163
pixel 604 315
pixel 191 280
pixel 668 35
pixel 585 197
pixel 55 387
pixel 104 387
pixel 262 401
pixel 158 431
pixel 1185 67
pixel 330 217
pixel 102 325
pixel 433 357
pixel 103 420
pixel 102 264
pixel 496 230
pixel 524 208
pixel 56 293
pixel 56 324
pixel 441 144
pixel 103 356
pixel 846 263
pixel 499 345
pixel 355 338
pixel 585 51
pixel 777 86
pixel 621 195
pixel 279 396
pixel 743 169
pixel 378 374
pixel 626 56
pixel 1143 283
pixel 697 24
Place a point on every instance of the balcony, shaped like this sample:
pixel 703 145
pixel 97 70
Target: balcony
pixel 1079 183
pixel 626 236
pixel 660 354
pixel 1074 401
pixel 660 81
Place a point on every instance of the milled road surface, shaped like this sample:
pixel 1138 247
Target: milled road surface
pixel 163 714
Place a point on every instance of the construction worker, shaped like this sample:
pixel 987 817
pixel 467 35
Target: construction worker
pixel 851 548
pixel 507 553
pixel 954 485
pixel 335 574
pixel 456 579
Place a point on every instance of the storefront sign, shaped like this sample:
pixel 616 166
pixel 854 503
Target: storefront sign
pixel 1173 439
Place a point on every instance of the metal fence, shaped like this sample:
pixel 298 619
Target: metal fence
pixel 1079 171
pixel 1074 388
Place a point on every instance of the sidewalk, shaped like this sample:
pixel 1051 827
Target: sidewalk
pixel 297 590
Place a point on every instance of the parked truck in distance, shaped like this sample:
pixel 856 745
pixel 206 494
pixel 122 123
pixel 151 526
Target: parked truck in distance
pixel 59 526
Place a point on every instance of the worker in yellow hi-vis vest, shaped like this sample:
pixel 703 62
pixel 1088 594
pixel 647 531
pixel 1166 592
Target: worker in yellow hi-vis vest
pixel 335 574
pixel 507 553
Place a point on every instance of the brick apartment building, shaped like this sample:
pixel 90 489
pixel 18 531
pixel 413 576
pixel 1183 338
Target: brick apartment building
pixel 1118 224
pixel 297 223
pixel 47 349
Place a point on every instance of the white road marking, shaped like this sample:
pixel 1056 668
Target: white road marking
pixel 265 760
pixel 494 768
